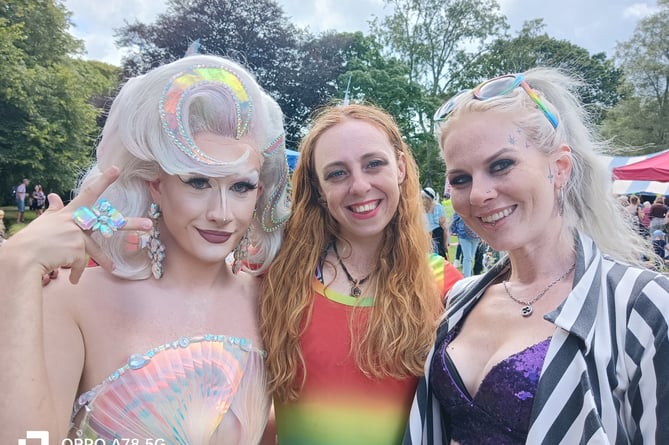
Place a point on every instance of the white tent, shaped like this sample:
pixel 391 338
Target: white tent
pixel 627 187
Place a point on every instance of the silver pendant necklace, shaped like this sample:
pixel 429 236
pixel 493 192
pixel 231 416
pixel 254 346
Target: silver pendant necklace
pixel 527 308
pixel 356 291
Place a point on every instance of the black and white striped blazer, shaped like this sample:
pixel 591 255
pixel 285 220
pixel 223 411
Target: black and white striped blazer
pixel 605 379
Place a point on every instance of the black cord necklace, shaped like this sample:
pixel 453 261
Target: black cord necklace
pixel 355 288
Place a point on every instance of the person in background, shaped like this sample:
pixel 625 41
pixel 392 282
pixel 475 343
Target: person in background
pixel 21 192
pixel 158 344
pixel 448 211
pixel 350 304
pixel 447 205
pixel 633 208
pixel 644 216
pixel 660 247
pixel 435 218
pixel 468 241
pixel 458 255
pixel 479 257
pixel 39 200
pixel 565 339
pixel 657 214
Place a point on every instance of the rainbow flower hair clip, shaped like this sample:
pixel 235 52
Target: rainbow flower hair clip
pixel 175 93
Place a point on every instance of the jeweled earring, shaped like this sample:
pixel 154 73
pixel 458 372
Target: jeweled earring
pixel 561 201
pixel 240 253
pixel 156 248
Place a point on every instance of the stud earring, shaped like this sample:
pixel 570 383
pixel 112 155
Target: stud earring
pixel 156 248
pixel 240 253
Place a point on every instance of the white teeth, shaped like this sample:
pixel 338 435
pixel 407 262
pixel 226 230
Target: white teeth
pixel 365 208
pixel 497 216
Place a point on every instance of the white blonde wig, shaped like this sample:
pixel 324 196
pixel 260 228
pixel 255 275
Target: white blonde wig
pixel 137 139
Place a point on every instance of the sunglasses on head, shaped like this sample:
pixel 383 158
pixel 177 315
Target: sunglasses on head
pixel 498 86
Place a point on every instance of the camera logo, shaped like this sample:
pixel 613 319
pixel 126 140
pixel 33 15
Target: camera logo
pixel 43 437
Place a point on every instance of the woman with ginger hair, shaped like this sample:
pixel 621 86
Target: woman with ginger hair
pixel 349 306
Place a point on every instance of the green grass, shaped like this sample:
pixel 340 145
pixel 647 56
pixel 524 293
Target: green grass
pixel 11 225
pixel 452 247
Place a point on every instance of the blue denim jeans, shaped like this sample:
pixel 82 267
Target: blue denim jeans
pixel 469 246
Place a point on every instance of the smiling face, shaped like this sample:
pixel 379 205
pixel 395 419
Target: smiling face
pixel 503 187
pixel 359 176
pixel 206 217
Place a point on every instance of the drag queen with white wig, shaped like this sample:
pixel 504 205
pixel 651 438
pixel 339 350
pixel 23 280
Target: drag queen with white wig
pixel 159 344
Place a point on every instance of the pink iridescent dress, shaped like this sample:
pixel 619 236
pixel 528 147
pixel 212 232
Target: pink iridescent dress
pixel 206 390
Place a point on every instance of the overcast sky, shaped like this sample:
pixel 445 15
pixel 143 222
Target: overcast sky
pixel 596 25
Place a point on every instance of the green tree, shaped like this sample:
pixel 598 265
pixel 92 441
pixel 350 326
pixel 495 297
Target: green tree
pixel 531 48
pixel 48 124
pixel 44 30
pixel 100 83
pixel 627 124
pixel 435 38
pixel 298 69
pixel 431 36
pixel 385 82
pixel 645 61
pixel 12 99
pixel 257 34
pixel 321 62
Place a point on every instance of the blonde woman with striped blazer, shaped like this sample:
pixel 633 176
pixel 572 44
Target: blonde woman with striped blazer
pixel 565 340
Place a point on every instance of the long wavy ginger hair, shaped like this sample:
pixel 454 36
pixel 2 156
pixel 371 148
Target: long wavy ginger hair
pixel 401 325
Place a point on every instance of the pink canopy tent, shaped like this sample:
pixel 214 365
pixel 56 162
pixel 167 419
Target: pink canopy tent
pixel 654 168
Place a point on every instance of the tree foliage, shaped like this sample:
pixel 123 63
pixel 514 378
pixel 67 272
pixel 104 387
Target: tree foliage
pixel 627 124
pixel 258 35
pixel 48 124
pixel 532 48
pixel 645 61
pixel 433 37
pixel 385 81
pixel 322 60
pixel 298 69
pixel 52 104
pixel 44 30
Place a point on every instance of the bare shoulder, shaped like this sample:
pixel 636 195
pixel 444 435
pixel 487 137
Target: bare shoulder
pixel 62 292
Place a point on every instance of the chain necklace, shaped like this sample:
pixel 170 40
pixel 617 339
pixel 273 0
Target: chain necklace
pixel 355 288
pixel 527 309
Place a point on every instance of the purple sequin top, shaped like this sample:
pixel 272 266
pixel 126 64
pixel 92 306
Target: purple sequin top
pixel 500 411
